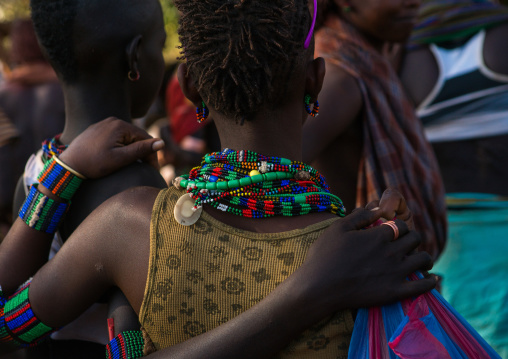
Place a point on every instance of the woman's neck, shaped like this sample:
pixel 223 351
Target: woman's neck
pixel 86 105
pixel 277 133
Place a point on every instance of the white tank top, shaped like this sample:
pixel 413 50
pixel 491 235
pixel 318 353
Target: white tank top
pixel 468 100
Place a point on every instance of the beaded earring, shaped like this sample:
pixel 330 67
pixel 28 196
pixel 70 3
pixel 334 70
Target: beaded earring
pixel 202 113
pixel 315 110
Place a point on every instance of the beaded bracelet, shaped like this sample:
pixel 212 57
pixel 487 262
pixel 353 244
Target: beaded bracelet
pixel 41 212
pixel 60 179
pixel 18 324
pixel 126 345
pixel 5 336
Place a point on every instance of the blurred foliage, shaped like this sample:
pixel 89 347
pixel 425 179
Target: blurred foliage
pixel 171 51
pixel 13 9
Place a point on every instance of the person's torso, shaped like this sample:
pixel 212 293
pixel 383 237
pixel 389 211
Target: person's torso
pixel 203 275
pixel 468 100
pixel 463 103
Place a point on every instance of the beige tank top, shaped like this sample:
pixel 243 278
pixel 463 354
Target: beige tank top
pixel 202 275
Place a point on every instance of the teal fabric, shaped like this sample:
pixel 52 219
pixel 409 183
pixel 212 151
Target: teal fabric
pixel 474 265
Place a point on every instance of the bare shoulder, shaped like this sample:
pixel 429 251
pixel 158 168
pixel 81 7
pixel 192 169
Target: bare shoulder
pixel 139 199
pixel 341 94
pixel 346 84
pixel 340 105
pixel 495 50
pixel 126 213
pixel 95 192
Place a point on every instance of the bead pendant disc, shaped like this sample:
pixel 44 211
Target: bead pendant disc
pixel 184 213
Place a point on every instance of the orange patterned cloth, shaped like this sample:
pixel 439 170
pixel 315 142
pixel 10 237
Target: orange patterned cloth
pixel 395 151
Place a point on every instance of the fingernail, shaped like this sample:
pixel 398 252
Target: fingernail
pixel 158 145
pixel 374 209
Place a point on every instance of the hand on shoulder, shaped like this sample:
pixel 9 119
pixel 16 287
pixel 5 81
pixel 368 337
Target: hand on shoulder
pixel 108 146
pixel 351 267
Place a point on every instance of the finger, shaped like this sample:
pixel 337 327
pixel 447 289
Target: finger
pixel 392 203
pixel 152 159
pixel 145 150
pixel 400 229
pixel 372 204
pixel 133 133
pixel 417 287
pixel 420 261
pixel 359 219
pixel 406 243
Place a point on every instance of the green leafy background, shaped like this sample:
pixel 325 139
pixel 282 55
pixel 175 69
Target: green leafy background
pixel 12 9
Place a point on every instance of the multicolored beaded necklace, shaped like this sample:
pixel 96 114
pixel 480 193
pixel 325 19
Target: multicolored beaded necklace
pixel 52 147
pixel 252 185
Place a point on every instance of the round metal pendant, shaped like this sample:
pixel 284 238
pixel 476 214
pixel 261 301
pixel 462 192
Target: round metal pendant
pixel 184 212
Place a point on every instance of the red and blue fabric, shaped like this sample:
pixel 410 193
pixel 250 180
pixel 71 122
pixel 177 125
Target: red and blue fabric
pixel 423 327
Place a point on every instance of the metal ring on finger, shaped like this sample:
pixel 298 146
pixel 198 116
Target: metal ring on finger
pixel 394 227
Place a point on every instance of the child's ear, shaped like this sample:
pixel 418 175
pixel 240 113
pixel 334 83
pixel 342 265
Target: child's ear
pixel 188 86
pixel 132 52
pixel 315 75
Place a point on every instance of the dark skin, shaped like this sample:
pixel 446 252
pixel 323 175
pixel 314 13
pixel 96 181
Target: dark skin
pixel 335 136
pixel 475 165
pixel 103 90
pixel 345 268
pixel 361 263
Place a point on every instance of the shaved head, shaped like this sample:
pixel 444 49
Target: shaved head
pixel 80 35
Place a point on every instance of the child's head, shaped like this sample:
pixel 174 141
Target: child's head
pixel 242 54
pixel 385 20
pixel 104 40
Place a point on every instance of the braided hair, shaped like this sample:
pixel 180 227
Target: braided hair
pixel 54 24
pixel 242 53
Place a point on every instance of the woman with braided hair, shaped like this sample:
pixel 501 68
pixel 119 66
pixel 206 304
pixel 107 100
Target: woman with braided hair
pixel 246 256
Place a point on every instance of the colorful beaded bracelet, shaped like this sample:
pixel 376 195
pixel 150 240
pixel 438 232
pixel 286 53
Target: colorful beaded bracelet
pixel 5 336
pixel 60 179
pixel 41 212
pixel 18 323
pixel 126 345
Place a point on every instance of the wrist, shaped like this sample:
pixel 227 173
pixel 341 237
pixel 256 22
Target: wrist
pixel 60 179
pixel 47 203
pixel 314 291
pixel 300 304
pixel 41 212
pixel 68 160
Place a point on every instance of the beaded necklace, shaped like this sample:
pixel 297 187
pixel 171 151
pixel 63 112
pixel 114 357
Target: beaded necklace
pixel 52 147
pixel 252 185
